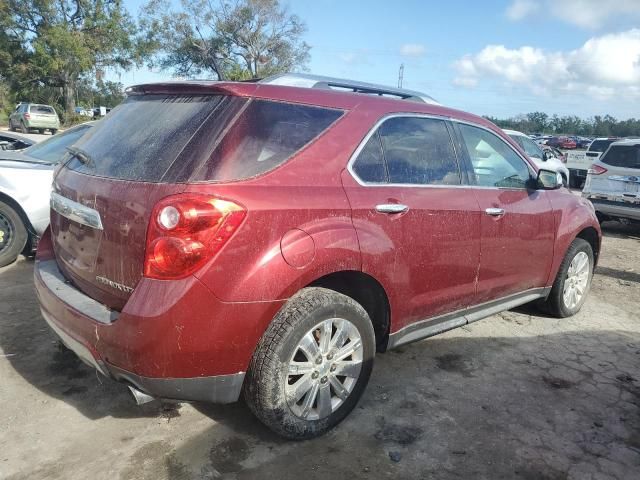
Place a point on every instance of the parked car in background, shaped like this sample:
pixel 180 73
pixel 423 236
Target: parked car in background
pixel 543 157
pixel 562 142
pixel 582 142
pixel 579 163
pixel 33 116
pixel 25 187
pixel 269 239
pixel 613 182
pixel 12 141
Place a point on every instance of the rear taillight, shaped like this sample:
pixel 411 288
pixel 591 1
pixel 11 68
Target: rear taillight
pixel 597 170
pixel 185 231
pixel 27 116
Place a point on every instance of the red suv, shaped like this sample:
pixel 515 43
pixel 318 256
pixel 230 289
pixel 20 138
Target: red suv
pixel 268 240
pixel 562 142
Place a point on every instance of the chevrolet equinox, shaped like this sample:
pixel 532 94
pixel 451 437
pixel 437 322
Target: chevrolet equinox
pixel 266 240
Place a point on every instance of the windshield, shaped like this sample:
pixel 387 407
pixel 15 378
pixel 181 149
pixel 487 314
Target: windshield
pixel 600 145
pixel 53 149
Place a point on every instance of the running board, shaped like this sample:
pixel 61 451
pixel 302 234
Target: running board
pixel 443 323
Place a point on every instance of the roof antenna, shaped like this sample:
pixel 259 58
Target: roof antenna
pixel 400 75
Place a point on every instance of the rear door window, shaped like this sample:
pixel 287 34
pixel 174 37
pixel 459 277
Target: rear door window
pixel 625 156
pixel 419 151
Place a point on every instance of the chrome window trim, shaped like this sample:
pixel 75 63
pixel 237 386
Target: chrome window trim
pixel 75 211
pixel 376 126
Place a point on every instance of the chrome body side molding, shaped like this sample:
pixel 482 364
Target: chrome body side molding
pixel 433 326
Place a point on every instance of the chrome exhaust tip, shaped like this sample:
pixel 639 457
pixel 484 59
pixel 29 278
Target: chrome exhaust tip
pixel 140 397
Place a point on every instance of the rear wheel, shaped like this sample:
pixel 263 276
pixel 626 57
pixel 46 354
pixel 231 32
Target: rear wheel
pixel 312 364
pixel 13 235
pixel 41 131
pixel 23 128
pixel 572 283
pixel 54 131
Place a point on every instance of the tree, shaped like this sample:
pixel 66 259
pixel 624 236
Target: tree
pixel 61 41
pixel 229 39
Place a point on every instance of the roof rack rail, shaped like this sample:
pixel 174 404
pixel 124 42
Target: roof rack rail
pixel 305 80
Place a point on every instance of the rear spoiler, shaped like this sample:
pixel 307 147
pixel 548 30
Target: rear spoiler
pixel 193 87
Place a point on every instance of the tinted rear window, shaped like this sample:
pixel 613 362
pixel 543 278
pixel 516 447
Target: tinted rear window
pixel 265 135
pixel 171 138
pixel 44 109
pixel 627 156
pixel 600 145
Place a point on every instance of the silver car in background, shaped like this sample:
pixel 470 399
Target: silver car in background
pixel 613 182
pixel 25 188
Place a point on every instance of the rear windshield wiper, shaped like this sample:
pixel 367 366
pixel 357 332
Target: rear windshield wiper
pixel 81 155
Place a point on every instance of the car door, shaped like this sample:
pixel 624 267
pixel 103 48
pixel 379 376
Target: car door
pixel 517 222
pixel 418 224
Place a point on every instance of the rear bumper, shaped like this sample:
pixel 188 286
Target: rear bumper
pixel 179 342
pixel 42 123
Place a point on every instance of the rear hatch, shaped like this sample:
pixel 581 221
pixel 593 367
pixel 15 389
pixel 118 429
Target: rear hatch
pixel 617 174
pixel 113 176
pixel 148 148
pixel 42 115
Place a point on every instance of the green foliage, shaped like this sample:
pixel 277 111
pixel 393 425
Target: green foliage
pixel 51 45
pixel 229 39
pixel 598 126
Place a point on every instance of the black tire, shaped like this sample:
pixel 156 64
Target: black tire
pixel 264 387
pixel 555 303
pixel 13 235
pixel 41 131
pixel 23 128
pixel 54 131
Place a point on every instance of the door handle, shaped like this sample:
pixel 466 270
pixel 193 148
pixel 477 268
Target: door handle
pixel 495 212
pixel 391 208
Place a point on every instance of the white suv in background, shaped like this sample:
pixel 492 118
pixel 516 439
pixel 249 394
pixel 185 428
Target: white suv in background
pixel 541 158
pixel 613 182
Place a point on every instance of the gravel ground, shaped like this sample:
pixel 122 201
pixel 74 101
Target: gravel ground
pixel 518 395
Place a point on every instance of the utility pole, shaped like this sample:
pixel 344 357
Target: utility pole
pixel 400 75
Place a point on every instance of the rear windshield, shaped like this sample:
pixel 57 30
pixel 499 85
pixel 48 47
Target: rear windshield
pixel 626 156
pixel 170 138
pixel 600 145
pixel 41 109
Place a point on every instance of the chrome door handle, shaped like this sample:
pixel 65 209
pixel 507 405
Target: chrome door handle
pixel 494 212
pixel 391 208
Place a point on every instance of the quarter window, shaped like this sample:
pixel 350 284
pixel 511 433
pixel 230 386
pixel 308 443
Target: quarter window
pixel 419 151
pixel 370 163
pixel 495 163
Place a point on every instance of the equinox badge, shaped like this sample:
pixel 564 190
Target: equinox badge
pixel 112 284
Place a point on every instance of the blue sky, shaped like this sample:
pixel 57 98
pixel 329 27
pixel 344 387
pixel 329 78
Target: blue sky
pixel 495 57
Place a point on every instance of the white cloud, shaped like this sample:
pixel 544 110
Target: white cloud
pixel 412 50
pixel 582 13
pixel 358 57
pixel 601 68
pixel 520 9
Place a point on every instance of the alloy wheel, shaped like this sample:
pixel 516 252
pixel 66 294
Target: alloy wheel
pixel 324 369
pixel 6 232
pixel 575 285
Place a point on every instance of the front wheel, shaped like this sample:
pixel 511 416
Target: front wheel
pixel 13 235
pixel 572 283
pixel 311 365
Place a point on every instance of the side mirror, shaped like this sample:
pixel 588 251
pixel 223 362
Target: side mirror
pixel 549 180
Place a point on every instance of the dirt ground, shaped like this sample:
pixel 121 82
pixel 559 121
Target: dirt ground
pixel 518 395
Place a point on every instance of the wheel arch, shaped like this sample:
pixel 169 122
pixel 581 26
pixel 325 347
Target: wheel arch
pixel 368 292
pixel 590 235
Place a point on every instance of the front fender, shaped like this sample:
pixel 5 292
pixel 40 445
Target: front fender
pixel 572 215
